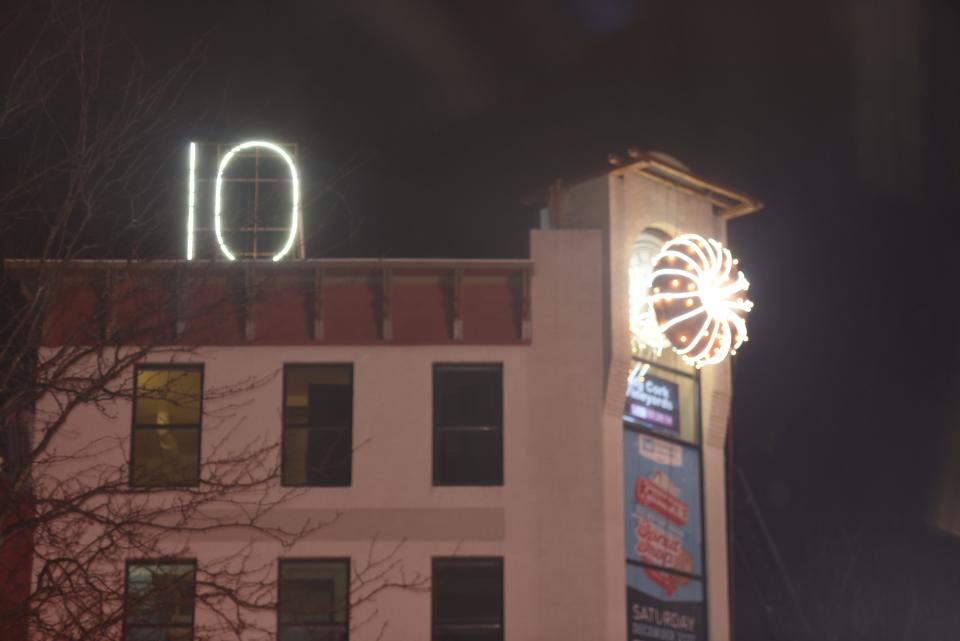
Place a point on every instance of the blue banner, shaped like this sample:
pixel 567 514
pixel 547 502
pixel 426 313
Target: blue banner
pixel 662 515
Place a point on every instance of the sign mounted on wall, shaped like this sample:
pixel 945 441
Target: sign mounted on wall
pixel 663 534
pixel 292 225
pixel 662 498
pixel 653 403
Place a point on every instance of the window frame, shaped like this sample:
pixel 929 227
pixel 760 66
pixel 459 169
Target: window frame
pixel 437 428
pixel 139 367
pixel 499 562
pixel 345 560
pixel 283 423
pixel 126 593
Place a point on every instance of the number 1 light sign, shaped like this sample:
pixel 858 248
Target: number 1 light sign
pixel 218 197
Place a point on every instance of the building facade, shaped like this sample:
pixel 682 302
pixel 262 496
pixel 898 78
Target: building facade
pixel 463 449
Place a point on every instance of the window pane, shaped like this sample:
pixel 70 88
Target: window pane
pixel 314 592
pixel 317 456
pixel 319 395
pixel 469 634
pixel 467 591
pixel 160 594
pixel 469 456
pixel 159 634
pixel 307 633
pixel 318 421
pixel 467 398
pixel 168 396
pixel 165 456
pixel 468 395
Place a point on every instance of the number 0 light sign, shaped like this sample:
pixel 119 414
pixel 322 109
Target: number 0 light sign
pixel 218 197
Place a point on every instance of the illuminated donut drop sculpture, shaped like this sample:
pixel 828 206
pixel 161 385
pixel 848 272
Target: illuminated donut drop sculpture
pixel 698 294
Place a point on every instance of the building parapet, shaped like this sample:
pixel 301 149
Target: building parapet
pixel 327 301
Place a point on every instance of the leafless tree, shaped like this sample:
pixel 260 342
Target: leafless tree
pixel 79 110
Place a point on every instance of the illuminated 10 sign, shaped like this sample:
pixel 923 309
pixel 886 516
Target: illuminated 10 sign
pixel 218 227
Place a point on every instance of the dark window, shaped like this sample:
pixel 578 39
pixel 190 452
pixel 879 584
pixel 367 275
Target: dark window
pixel 467 599
pixel 317 424
pixel 159 601
pixel 166 425
pixel 314 600
pixel 468 424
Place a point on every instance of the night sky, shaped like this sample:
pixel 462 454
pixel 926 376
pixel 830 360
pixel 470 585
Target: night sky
pixel 425 128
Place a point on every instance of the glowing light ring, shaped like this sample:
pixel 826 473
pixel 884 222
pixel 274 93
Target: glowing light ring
pixel 698 296
pixel 294 195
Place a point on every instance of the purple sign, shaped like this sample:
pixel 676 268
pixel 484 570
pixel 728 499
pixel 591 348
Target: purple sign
pixel 653 403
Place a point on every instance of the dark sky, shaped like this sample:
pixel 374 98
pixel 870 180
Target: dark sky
pixel 425 125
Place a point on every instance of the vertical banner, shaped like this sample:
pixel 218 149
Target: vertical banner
pixel 664 533
pixel 662 503
pixel 653 403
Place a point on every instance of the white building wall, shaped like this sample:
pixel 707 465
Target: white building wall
pixel 566 398
pixel 546 521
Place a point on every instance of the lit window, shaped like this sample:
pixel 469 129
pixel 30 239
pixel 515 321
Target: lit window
pixel 467 599
pixel 314 600
pixel 166 425
pixel 468 424
pixel 159 601
pixel 317 424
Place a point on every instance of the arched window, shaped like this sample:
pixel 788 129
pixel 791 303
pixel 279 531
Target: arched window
pixel 647 343
pixel 645 338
